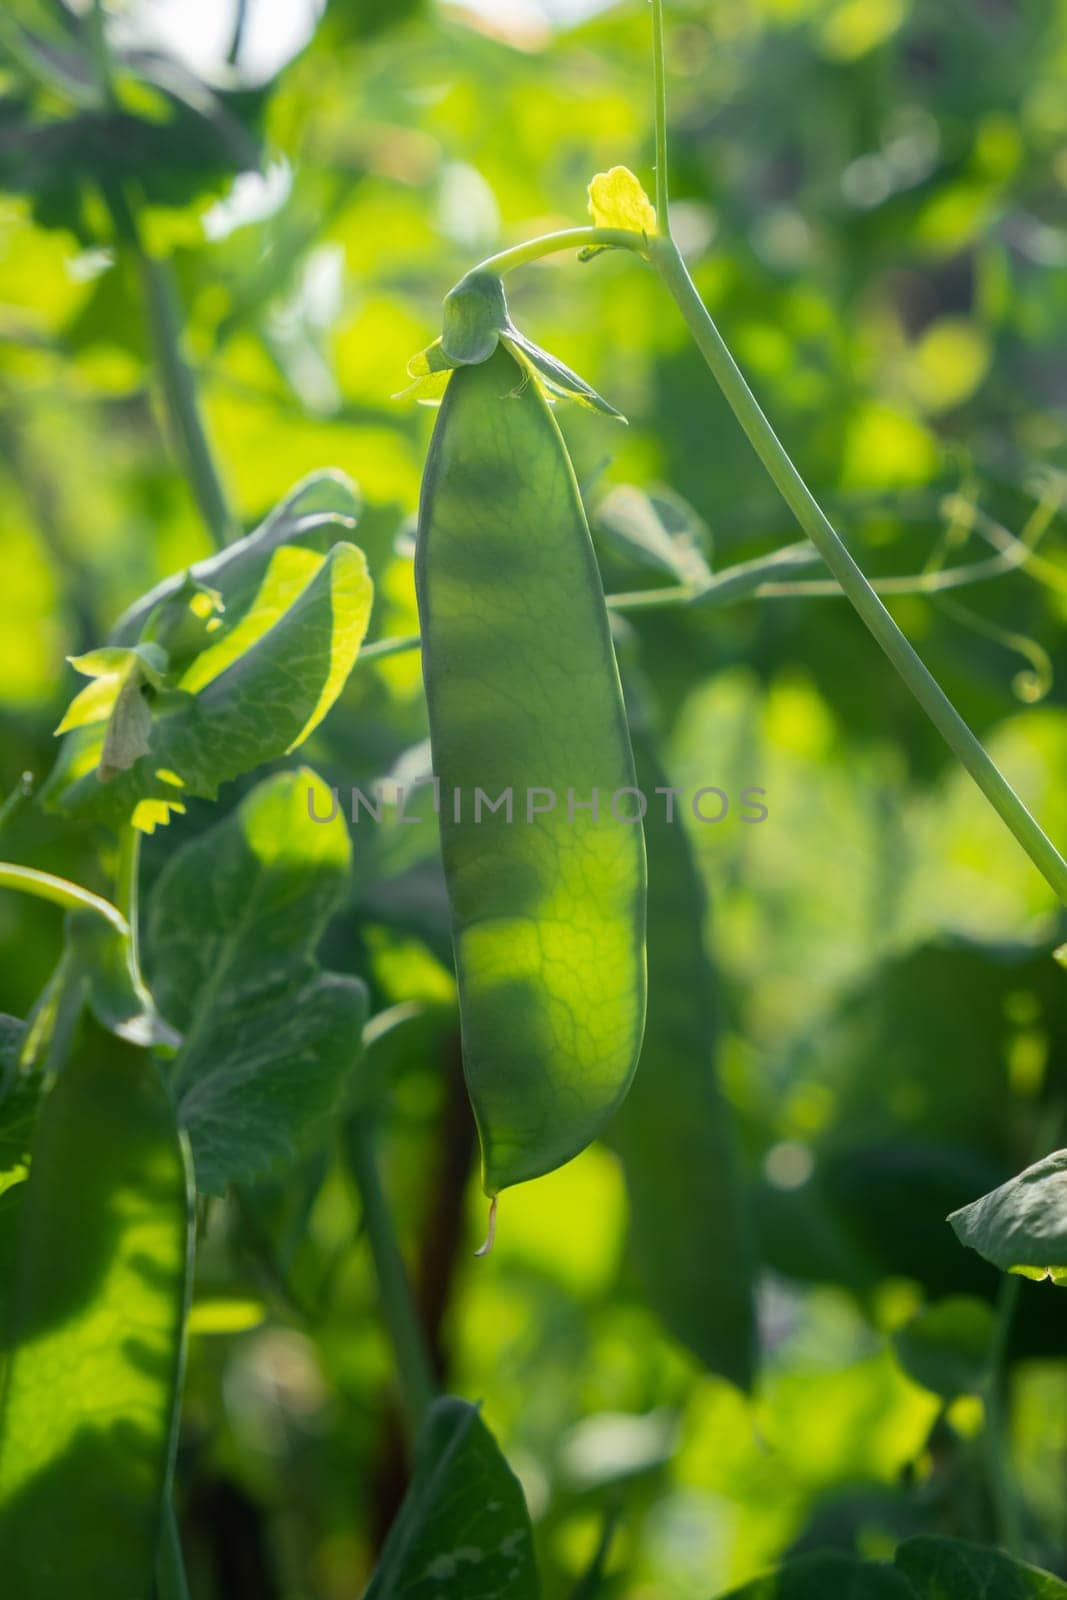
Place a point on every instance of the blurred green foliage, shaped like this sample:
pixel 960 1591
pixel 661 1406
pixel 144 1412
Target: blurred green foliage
pixel 871 194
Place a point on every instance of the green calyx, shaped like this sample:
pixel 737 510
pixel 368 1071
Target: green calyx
pixel 477 320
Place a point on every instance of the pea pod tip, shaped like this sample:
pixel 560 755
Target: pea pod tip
pixel 490 1235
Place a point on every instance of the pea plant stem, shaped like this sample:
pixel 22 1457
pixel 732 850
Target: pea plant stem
pixel 550 244
pixel 180 397
pixel 171 1582
pixel 672 270
pixel 127 880
pixel 659 81
pixel 409 1347
pixel 164 319
pixel 61 892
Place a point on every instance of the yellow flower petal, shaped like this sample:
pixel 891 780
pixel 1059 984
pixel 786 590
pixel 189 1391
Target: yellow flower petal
pixel 617 200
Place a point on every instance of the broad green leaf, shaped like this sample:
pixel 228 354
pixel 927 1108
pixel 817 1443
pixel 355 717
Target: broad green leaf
pixel 947 1346
pixel 949 1569
pixel 827 1577
pixel 463 1528
pixel 231 932
pixel 617 200
pixel 658 531
pixel 257 708
pixel 690 1226
pixel 1022 1226
pixel 322 510
pixel 94 1333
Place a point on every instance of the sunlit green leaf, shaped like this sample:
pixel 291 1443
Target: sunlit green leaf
pixel 95 1333
pixel 297 651
pixel 322 510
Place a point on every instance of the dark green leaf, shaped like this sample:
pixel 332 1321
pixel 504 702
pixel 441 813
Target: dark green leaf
pixel 95 1334
pixel 171 136
pixel 946 1346
pixel 463 1528
pixel 827 1577
pixel 322 510
pixel 19 1097
pixel 269 690
pixel 232 929
pixel 690 1228
pixel 1022 1226
pixel 949 1569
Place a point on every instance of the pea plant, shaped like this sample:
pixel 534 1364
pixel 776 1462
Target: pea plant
pixel 194 1055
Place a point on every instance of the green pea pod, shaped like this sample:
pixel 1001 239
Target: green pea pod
pixel 548 906
pixel 94 1333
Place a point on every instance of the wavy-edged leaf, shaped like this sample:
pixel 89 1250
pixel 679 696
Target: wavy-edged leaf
pixel 950 1569
pixel 321 510
pixel 262 705
pixel 230 939
pixel 94 1333
pixel 463 1528
pixel 1022 1226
